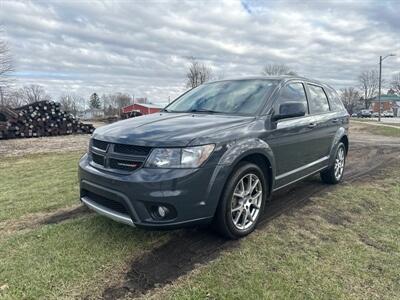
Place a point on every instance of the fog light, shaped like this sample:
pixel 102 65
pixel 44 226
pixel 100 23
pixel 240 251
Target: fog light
pixel 162 211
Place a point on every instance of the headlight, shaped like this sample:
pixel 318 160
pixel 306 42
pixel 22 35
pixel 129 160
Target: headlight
pixel 190 157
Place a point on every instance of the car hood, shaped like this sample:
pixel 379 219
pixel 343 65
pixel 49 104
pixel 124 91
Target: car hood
pixel 168 129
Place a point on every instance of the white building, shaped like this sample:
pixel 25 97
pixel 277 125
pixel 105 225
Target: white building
pixel 91 113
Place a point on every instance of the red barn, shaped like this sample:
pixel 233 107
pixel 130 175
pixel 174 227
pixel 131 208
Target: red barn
pixel 139 109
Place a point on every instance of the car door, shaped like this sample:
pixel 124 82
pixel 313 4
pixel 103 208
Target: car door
pixel 324 122
pixel 290 139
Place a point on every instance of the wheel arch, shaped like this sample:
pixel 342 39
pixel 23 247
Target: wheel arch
pixel 345 140
pixel 256 151
pixel 263 162
pixel 340 136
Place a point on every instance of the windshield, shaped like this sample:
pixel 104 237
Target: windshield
pixel 231 97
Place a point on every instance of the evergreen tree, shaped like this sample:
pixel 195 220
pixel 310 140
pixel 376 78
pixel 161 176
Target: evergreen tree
pixel 94 101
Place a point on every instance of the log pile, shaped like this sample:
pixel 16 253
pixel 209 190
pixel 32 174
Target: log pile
pixel 44 118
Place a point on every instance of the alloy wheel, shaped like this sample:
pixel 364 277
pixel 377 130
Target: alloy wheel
pixel 339 163
pixel 246 201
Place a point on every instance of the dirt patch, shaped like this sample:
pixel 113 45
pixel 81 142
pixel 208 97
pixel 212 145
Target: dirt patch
pixel 54 144
pixel 59 217
pixel 336 218
pixel 359 134
pixel 168 262
pixel 371 243
pixel 36 220
pixel 51 144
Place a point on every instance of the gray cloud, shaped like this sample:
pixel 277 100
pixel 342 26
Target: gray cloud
pixel 141 47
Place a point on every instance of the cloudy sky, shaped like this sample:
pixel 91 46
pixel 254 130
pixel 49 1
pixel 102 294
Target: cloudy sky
pixel 142 47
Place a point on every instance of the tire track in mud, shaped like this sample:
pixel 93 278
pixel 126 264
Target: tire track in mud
pixel 59 217
pixel 192 247
pixel 35 220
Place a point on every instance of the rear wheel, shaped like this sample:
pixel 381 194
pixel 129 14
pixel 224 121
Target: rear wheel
pixel 242 202
pixel 334 174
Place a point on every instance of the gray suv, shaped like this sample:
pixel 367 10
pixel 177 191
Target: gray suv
pixel 216 154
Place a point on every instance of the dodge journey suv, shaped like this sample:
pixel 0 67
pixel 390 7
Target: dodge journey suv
pixel 216 154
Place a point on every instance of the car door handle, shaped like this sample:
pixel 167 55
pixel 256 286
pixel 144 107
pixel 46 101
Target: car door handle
pixel 312 125
pixel 335 120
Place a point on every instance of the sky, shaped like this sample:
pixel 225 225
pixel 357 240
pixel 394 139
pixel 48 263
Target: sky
pixel 142 47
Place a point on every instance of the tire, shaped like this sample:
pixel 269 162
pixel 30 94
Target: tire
pixel 334 174
pixel 236 200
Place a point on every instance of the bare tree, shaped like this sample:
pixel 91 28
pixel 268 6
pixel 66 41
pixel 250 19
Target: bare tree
pixel 6 67
pixel 277 69
pixel 369 82
pixel 113 103
pixel 15 98
pixel 350 98
pixel 395 84
pixel 33 93
pixel 197 74
pixel 123 100
pixel 72 103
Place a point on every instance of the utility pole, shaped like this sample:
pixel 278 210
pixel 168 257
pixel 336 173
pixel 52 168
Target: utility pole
pixel 380 83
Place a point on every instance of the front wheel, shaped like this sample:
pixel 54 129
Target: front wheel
pixel 242 202
pixel 334 174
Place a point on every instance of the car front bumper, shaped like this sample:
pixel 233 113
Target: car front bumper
pixel 190 195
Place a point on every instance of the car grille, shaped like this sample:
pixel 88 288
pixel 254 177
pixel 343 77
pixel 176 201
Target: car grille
pixel 117 157
pixel 99 144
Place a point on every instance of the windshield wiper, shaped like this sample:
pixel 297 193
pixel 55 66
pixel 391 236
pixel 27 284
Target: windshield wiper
pixel 164 110
pixel 201 110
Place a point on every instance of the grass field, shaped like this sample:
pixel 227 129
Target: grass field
pixel 344 244
pixel 378 130
pixel 383 130
pixel 37 183
pixel 367 120
pixel 59 260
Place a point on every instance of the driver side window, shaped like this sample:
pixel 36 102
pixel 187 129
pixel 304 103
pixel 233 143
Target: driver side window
pixel 291 93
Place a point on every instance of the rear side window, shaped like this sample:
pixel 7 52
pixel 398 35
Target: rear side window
pixel 334 100
pixel 318 101
pixel 292 92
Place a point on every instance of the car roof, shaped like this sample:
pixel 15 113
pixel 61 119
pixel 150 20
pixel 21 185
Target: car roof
pixel 282 78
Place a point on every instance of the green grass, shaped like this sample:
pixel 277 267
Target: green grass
pixel 380 130
pixel 374 121
pixel 383 130
pixel 62 260
pixel 69 259
pixel 344 245
pixel 37 183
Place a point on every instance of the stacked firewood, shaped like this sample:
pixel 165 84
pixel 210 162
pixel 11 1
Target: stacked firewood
pixel 44 118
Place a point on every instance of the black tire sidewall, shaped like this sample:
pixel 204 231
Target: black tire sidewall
pixel 225 209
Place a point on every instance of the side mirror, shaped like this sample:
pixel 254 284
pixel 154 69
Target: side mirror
pixel 290 110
